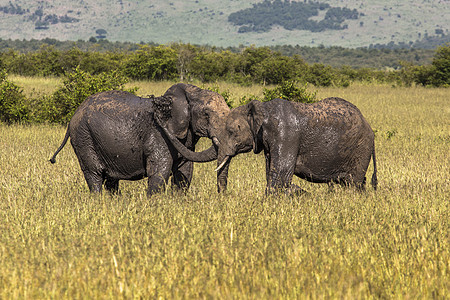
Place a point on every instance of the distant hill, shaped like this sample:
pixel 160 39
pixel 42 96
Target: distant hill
pixel 343 23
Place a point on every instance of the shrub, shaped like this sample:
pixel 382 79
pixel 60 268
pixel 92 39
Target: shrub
pixel 12 101
pixel 77 86
pixel 424 75
pixel 289 90
pixel 209 66
pixel 320 75
pixel 152 63
pixel 441 64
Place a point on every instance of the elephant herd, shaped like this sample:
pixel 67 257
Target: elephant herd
pixel 119 136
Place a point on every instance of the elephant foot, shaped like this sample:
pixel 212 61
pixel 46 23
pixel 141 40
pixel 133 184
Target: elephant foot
pixel 112 186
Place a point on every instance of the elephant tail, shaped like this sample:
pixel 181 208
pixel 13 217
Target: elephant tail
pixel 374 175
pixel 66 138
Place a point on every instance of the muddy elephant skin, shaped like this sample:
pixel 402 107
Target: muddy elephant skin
pixel 115 136
pixel 325 142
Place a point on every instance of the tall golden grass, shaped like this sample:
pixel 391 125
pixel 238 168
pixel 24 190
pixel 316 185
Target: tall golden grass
pixel 59 241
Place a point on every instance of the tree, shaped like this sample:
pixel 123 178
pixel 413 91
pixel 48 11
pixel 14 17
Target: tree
pixel 101 33
pixel 441 64
pixel 185 54
pixel 154 63
pixel 209 66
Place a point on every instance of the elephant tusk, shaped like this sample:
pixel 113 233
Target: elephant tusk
pixel 222 164
pixel 216 141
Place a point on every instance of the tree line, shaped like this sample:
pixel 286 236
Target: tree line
pixel 88 72
pixel 251 65
pixel 375 56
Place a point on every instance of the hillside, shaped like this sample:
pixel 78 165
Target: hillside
pixel 207 22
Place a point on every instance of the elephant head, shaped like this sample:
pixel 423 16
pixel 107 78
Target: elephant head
pixel 192 113
pixel 202 110
pixel 239 131
pixel 240 134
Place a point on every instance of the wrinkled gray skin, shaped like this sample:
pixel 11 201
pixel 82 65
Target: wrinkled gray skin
pixel 116 136
pixel 324 142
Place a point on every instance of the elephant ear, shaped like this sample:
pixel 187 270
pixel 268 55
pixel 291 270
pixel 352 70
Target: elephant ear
pixel 178 122
pixel 255 118
pixel 208 110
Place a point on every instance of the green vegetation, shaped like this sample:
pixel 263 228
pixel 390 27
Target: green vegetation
pixel 12 101
pixel 249 65
pixel 58 241
pixel 87 72
pixel 441 67
pixel 60 105
pixel 379 57
pixel 154 63
pixel 78 85
pixel 289 90
pixel 291 15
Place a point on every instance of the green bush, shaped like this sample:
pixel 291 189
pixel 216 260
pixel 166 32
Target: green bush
pixel 77 86
pixel 320 75
pixel 152 63
pixel 441 64
pixel 289 90
pixel 12 101
pixel 209 66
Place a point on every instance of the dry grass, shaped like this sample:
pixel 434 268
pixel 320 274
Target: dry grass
pixel 36 85
pixel 58 241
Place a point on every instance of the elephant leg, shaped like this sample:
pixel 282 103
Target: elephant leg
pixel 112 185
pixel 91 169
pixel 94 181
pixel 281 169
pixel 182 174
pixel 158 172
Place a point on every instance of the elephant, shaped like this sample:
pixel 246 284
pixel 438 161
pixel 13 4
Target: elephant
pixel 116 136
pixel 328 141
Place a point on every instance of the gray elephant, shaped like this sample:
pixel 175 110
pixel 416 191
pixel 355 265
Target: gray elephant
pixel 324 142
pixel 116 136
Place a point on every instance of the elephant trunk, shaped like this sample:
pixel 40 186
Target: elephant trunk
pixel 223 164
pixel 207 155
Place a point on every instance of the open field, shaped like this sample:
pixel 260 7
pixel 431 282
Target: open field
pixel 58 241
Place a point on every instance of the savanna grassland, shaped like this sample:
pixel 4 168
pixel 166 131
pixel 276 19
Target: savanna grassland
pixel 59 241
